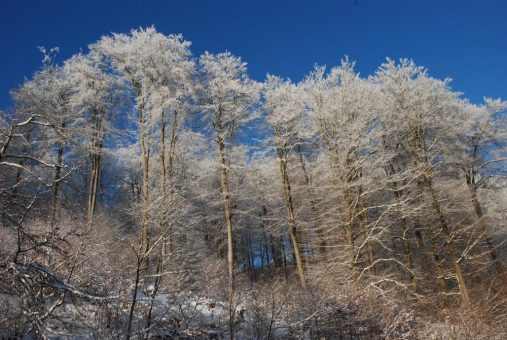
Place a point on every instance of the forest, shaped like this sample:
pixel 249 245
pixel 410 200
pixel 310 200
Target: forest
pixel 148 193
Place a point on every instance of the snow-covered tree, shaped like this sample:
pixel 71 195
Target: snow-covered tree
pixel 158 70
pixel 229 98
pixel 48 96
pixel 284 105
pixel 95 100
pixel 343 108
pixel 420 117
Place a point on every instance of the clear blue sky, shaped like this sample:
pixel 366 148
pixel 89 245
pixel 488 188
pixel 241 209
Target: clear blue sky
pixel 465 40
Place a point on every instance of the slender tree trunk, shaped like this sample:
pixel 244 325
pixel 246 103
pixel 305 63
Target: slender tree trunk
pixel 251 254
pixel 407 253
pixel 313 207
pixel 478 211
pixel 363 222
pixel 439 267
pixel 350 228
pixel 94 183
pixel 134 296
pixel 172 147
pixel 224 176
pixel 420 143
pixel 145 162
pixel 56 181
pixel 244 255
pixel 284 253
pixel 156 286
pixel 172 152
pixel 93 186
pixel 448 240
pixel 95 156
pixel 293 232
pixel 163 170
pixel 264 241
pixel 275 251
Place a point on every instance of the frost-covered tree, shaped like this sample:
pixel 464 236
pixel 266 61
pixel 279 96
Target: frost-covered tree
pixel 284 105
pixel 342 107
pixel 229 98
pixel 95 100
pixel 48 96
pixel 482 156
pixel 157 69
pixel 421 116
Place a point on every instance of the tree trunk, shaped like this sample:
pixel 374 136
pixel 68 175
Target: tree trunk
pixel 228 220
pixel 56 181
pixel 134 296
pixel 350 228
pixel 439 267
pixel 313 207
pixel 448 240
pixel 293 232
pixel 407 253
pixel 264 241
pixel 478 211
pixel 363 222
pixel 95 156
pixel 276 252
pixel 172 152
pixel 145 162
pixel 163 170
pixel 420 143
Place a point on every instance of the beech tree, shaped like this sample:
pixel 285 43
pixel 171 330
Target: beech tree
pixel 47 95
pixel 229 97
pixel 431 118
pixel 343 118
pixel 483 145
pixel 158 69
pixel 95 100
pixel 284 105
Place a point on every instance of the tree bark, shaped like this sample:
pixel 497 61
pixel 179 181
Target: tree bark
pixel 293 232
pixel 439 267
pixel 95 156
pixel 420 144
pixel 448 240
pixel 407 253
pixel 145 162
pixel 224 176
pixel 170 169
pixel 313 207
pixel 350 228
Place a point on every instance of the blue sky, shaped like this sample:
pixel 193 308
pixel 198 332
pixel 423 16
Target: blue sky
pixel 465 40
